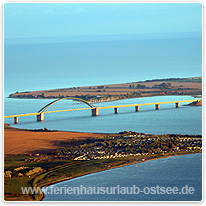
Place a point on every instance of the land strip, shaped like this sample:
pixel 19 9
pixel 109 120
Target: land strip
pixel 111 92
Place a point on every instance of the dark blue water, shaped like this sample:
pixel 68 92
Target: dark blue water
pixel 177 171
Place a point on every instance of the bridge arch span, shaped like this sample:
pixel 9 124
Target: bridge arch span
pixel 42 110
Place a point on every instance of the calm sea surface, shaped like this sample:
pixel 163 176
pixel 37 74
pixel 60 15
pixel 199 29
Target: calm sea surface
pixel 37 66
pixel 179 171
pixel 183 120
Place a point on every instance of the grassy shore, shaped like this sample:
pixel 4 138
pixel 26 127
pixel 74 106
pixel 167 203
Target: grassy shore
pixel 58 171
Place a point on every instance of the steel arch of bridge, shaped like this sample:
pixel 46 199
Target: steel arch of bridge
pixel 72 98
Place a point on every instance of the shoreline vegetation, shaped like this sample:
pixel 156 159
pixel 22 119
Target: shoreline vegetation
pixel 85 154
pixel 114 92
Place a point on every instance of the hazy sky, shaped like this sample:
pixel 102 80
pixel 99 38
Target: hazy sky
pixel 25 20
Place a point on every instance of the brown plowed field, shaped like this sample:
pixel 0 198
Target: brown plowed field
pixel 25 142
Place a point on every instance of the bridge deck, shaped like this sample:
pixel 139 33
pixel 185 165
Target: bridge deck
pixel 145 104
pixel 21 115
pixel 107 107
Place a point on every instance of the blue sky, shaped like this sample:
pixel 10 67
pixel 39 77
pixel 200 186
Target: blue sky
pixel 30 20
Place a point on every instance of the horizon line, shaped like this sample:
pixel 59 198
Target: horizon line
pixel 103 35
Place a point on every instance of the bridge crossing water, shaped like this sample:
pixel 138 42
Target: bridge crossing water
pixel 94 109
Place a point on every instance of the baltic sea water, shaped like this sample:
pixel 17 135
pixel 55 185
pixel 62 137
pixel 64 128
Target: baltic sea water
pixel 167 120
pixel 178 171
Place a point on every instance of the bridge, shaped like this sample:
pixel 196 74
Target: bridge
pixel 93 108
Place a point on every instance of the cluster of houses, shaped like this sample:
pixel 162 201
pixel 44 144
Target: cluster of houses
pixel 186 144
pixel 125 145
pixel 22 171
pixel 192 143
pixel 116 155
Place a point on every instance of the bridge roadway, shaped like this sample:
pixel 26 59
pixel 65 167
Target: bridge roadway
pixel 95 110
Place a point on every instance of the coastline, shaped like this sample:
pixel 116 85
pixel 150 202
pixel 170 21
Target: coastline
pixel 66 179
pixel 115 99
pixel 114 92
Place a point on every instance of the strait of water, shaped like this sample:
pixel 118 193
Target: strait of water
pixel 177 171
pixel 167 120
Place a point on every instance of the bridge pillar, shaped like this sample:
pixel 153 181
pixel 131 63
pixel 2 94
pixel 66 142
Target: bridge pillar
pixel 157 106
pixel 177 105
pixel 136 108
pixel 40 117
pixel 116 110
pixel 15 120
pixel 95 112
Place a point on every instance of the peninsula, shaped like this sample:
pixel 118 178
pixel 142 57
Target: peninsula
pixel 112 92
